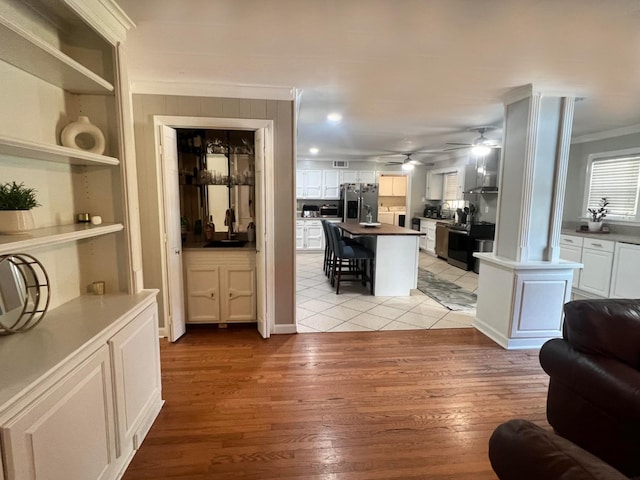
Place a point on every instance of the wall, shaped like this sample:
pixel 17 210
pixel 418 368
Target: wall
pixel 577 177
pixel 281 112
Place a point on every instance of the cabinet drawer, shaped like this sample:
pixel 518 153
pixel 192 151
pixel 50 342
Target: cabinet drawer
pixel 603 245
pixel 571 240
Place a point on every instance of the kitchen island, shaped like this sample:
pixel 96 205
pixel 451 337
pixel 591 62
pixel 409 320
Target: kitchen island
pixel 396 256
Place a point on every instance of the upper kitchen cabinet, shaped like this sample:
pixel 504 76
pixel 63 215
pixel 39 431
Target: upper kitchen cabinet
pixel 393 186
pixel 359 176
pixel 434 186
pixel 331 184
pixel 309 184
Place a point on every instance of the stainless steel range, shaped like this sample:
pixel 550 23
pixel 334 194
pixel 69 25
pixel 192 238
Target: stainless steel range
pixel 462 242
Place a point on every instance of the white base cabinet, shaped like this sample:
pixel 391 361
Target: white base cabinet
pixel 220 286
pixel 83 390
pixel 428 240
pixel 597 257
pixel 624 279
pixel 309 235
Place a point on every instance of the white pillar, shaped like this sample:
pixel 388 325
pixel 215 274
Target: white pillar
pixel 523 284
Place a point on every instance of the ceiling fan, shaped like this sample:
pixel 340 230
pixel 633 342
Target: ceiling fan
pixel 407 163
pixel 481 145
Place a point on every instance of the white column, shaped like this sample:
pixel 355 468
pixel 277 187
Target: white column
pixel 523 285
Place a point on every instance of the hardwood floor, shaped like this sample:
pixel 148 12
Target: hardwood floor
pixel 417 404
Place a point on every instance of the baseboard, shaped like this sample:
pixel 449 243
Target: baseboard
pixel 163 332
pixel 287 329
pixel 509 343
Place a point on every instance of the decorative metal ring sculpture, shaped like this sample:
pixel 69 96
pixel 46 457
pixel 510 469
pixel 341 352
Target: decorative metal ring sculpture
pixel 24 293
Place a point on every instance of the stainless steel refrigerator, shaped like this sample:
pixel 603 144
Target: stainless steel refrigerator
pixel 357 201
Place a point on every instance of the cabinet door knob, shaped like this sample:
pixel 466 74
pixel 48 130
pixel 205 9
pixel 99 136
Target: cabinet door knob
pixel 177 252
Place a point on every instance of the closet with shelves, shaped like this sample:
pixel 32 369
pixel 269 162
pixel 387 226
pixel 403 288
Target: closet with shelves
pixel 93 361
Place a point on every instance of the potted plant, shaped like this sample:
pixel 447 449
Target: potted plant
pixel 16 202
pixel 597 214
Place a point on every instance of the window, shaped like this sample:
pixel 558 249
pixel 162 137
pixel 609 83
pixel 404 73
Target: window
pixel 616 176
pixel 450 186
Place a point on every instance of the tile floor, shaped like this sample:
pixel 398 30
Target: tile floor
pixel 319 309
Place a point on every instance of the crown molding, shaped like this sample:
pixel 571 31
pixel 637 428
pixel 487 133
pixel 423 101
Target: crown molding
pixel 529 90
pixel 195 89
pixel 616 132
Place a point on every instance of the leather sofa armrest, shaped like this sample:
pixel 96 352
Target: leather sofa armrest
pixel 607 327
pixel 608 383
pixel 521 450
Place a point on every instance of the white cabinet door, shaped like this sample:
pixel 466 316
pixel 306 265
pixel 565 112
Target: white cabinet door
pixel 624 283
pixel 331 184
pixel 300 235
pixel 572 253
pixel 460 188
pixel 400 186
pixel 314 236
pixel 239 293
pixel 203 293
pixel 431 238
pixel 69 432
pixel 596 276
pixel 135 355
pixel 434 186
pixel 367 176
pixel 309 183
pixel 386 217
pixel 349 176
pixel 423 238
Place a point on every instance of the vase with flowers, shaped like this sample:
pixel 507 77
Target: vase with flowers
pixel 596 215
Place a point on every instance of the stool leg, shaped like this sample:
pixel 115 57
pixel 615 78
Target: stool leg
pixel 371 274
pixel 338 277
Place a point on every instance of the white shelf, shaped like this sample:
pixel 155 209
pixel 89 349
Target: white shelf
pixel 52 153
pixel 54 236
pixel 33 55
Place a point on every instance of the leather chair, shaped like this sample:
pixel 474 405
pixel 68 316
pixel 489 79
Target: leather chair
pixel 594 380
pixel 593 402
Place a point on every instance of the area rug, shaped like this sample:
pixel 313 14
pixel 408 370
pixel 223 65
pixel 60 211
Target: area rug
pixel 444 292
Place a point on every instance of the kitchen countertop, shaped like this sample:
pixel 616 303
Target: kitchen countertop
pixel 613 237
pixel 381 230
pixel 443 220
pixel 200 245
pixel 319 218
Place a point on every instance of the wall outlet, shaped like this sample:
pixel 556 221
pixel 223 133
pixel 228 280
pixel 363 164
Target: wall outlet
pixel 486 209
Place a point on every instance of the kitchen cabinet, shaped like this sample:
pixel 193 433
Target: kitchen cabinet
pixel 309 184
pixel 597 258
pixel 428 241
pixel 434 186
pixel 220 286
pixel 309 235
pixel 392 186
pixel 624 277
pixel 81 387
pixel 571 250
pixel 361 176
pixel 331 184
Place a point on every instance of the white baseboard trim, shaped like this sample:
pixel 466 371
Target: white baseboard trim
pixel 287 329
pixel 509 343
pixel 162 331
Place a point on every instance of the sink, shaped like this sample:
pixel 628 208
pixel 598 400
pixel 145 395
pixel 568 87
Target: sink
pixel 225 244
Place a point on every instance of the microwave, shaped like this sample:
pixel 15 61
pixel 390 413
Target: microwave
pixel 329 211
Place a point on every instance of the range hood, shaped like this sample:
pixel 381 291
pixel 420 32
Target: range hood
pixel 485 174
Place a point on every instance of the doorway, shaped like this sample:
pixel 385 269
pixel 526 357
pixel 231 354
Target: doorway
pixel 171 256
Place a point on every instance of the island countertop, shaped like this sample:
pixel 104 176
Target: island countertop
pixel 383 229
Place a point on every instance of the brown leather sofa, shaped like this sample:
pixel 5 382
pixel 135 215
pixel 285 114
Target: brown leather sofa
pixel 593 402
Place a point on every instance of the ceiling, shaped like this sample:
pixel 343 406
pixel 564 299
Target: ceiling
pixel 406 75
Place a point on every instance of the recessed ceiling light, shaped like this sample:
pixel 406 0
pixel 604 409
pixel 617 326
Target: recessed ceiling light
pixel 334 117
pixel 314 150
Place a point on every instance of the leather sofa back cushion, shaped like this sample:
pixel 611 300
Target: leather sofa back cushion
pixel 608 327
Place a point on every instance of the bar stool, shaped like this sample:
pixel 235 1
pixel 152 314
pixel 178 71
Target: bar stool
pixel 359 260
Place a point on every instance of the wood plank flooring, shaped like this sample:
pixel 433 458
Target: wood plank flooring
pixel 415 404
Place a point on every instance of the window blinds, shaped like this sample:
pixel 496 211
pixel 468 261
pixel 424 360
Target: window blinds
pixel 450 186
pixel 617 179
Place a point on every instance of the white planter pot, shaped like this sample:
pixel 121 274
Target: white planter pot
pixel 14 222
pixel 595 226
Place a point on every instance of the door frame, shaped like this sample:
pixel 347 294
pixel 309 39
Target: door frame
pixel 264 244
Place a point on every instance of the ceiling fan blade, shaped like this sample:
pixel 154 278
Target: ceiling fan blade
pixel 455 148
pixel 394 163
pixel 457 143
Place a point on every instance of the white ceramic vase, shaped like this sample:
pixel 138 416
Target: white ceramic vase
pixel 595 226
pixel 16 222
pixel 83 135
